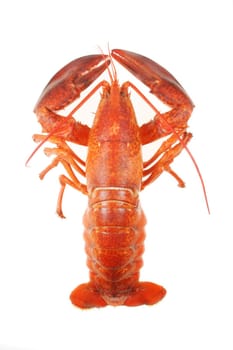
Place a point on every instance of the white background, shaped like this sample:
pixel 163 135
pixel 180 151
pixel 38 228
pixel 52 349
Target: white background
pixel 189 252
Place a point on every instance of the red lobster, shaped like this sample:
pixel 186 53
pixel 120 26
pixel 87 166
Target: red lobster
pixel 114 169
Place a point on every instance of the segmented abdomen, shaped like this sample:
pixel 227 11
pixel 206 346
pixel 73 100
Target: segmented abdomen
pixel 114 235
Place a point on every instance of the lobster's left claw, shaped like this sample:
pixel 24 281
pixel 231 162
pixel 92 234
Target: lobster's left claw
pixel 68 83
pixel 64 88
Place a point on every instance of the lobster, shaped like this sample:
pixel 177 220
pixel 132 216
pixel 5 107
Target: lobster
pixel 114 168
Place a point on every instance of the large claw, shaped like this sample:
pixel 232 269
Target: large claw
pixel 65 87
pixel 67 84
pixel 166 88
pixel 158 79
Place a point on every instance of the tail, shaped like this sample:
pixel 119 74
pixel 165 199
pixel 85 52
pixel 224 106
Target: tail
pixel 146 293
pixel 114 236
